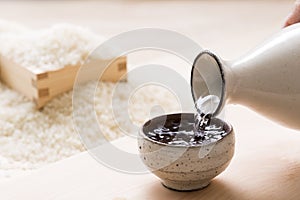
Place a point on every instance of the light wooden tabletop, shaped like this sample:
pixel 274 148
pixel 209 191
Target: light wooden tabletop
pixel 267 162
pixel 266 165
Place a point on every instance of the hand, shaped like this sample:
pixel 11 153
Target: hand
pixel 294 16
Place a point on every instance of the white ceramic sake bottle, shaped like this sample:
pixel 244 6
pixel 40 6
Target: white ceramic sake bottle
pixel 267 79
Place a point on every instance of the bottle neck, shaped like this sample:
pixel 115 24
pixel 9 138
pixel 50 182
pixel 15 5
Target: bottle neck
pixel 232 83
pixel 242 82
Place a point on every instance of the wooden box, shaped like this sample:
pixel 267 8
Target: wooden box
pixel 42 87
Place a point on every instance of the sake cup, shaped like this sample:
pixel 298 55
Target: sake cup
pixel 185 167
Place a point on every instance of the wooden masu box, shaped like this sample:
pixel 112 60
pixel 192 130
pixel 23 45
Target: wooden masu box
pixel 42 87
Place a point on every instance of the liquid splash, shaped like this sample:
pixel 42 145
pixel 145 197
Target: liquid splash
pixel 205 107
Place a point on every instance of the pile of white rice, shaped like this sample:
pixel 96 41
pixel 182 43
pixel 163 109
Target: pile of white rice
pixel 30 138
pixel 48 49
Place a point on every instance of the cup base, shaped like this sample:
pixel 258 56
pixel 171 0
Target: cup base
pixel 186 186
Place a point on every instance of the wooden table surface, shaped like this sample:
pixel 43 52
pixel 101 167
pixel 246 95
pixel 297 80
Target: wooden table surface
pixel 267 160
pixel 266 165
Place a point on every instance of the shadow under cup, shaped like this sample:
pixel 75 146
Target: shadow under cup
pixel 185 167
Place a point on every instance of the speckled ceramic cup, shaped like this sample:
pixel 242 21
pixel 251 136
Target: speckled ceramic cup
pixel 185 168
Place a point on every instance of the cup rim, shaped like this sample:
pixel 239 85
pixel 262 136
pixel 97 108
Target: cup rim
pixel 141 133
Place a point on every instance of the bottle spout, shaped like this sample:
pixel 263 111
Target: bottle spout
pixel 208 82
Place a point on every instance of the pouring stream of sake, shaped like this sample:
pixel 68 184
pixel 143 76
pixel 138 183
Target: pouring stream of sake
pixel 205 107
